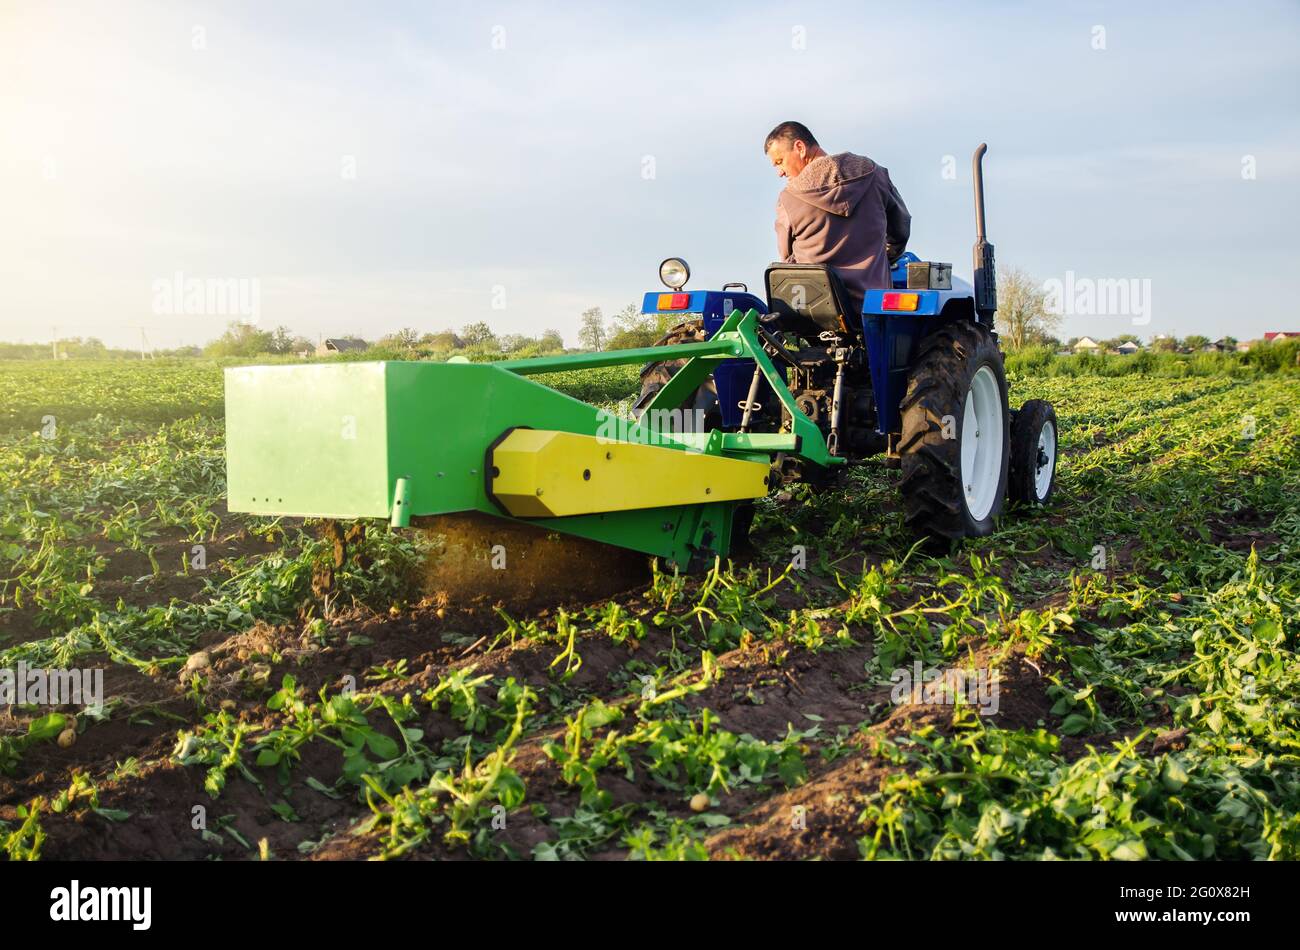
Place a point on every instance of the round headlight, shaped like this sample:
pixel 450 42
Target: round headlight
pixel 674 272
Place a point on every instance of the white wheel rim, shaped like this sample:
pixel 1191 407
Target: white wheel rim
pixel 981 444
pixel 1045 464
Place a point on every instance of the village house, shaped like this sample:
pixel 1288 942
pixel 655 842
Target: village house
pixel 339 345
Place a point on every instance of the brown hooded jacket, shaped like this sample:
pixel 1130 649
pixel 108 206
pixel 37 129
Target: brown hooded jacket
pixel 843 210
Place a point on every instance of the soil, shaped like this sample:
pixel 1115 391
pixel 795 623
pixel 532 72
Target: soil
pixel 766 688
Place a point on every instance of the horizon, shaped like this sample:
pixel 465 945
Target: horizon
pixel 1062 340
pixel 364 170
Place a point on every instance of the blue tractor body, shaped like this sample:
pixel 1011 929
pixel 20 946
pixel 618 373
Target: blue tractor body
pixel 890 335
pixel 732 377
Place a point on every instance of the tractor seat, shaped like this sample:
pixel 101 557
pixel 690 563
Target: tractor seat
pixel 809 298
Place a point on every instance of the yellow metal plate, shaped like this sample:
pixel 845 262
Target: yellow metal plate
pixel 537 473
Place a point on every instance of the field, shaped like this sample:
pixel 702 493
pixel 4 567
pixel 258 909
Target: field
pixel 1133 645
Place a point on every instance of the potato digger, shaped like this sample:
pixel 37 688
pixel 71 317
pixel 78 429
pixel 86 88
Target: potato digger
pixel 526 491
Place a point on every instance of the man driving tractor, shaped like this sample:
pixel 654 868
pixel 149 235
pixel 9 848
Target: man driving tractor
pixel 841 210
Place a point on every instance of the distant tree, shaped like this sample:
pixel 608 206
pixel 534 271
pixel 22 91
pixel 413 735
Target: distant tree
pixel 477 334
pixel 241 339
pixel 1230 342
pixel 551 341
pixel 283 341
pixel 405 340
pixel 1164 344
pixel 1022 312
pixel 631 318
pixel 90 347
pixel 591 334
pixel 1196 341
pixel 630 339
pixel 514 342
pixel 632 328
pixel 442 341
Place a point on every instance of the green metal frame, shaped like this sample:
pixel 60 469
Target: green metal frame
pixel 736 338
pixel 404 439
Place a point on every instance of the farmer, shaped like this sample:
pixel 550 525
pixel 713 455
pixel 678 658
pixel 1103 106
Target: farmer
pixel 840 210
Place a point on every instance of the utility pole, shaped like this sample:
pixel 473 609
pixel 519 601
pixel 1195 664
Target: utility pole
pixel 144 341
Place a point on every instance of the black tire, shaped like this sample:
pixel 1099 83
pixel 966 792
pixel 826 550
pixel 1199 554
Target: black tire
pixel 654 376
pixel 934 497
pixel 1026 461
pixel 742 520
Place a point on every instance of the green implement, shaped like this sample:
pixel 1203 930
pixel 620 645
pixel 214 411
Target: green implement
pixel 401 440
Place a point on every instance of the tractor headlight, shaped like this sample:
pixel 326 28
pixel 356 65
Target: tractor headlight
pixel 674 272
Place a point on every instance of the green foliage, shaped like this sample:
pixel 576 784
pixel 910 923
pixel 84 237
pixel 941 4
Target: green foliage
pixel 246 340
pixel 1184 475
pixel 633 329
pixel 1262 358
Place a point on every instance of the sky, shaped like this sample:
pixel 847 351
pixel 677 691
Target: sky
pixel 362 167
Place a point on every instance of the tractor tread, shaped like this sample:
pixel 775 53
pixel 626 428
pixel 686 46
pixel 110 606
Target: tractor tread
pixel 1025 427
pixel 933 495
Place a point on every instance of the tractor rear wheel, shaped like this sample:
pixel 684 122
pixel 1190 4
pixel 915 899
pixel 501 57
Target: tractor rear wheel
pixel 955 441
pixel 654 376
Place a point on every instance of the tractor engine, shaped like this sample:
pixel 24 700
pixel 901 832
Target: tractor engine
pixel 813 385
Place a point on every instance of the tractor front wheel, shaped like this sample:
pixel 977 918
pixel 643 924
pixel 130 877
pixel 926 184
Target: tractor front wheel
pixel 1033 453
pixel 955 441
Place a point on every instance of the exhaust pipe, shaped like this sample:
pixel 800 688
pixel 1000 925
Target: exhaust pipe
pixel 986 284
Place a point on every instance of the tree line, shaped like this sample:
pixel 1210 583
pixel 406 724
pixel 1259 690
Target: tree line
pixel 628 328
pixel 1023 322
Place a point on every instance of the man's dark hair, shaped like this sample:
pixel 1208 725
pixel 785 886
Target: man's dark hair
pixel 789 132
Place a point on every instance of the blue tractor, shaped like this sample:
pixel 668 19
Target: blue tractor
pixel 917 374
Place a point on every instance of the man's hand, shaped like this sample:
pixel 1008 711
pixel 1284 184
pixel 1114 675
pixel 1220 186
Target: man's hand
pixel 898 225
